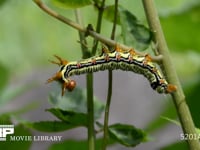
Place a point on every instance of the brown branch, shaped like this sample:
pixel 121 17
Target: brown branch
pixel 170 72
pixel 95 35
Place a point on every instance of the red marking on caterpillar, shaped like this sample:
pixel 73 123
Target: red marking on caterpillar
pixel 78 65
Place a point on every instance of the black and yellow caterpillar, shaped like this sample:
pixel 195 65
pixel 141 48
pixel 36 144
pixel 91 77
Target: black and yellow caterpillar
pixel 118 59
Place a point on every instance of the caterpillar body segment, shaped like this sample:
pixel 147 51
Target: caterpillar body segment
pixel 117 59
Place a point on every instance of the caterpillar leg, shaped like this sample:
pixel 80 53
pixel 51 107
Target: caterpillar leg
pixel 61 61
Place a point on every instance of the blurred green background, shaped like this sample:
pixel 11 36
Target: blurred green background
pixel 29 38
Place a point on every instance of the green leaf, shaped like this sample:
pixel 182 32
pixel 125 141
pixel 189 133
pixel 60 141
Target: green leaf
pixel 4 77
pixel 127 135
pixel 175 146
pixel 179 30
pixel 171 120
pixel 76 145
pixel 70 144
pixel 109 14
pixel 73 118
pixel 178 123
pixel 75 101
pixel 71 3
pixel 5 119
pixel 187 73
pixel 133 32
pixel 19 130
pixel 49 126
pixel 169 7
pixel 2 2
pixel 193 97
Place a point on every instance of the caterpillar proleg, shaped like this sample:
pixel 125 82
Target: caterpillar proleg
pixel 118 59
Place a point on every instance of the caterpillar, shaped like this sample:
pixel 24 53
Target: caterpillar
pixel 117 59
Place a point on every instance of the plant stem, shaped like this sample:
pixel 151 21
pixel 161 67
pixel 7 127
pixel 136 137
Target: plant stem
pixel 98 27
pixel 115 21
pixel 85 52
pixel 107 109
pixel 89 80
pixel 90 111
pixel 110 79
pixel 167 64
pixel 94 34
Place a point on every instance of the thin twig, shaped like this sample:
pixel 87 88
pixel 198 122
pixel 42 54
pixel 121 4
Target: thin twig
pixel 95 35
pixel 110 79
pixel 98 27
pixel 58 16
pixel 168 67
pixel 89 80
pixel 85 52
pixel 90 111
pixel 115 21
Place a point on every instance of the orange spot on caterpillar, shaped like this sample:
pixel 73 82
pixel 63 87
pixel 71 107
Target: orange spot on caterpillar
pixel 61 61
pixel 147 59
pixel 132 52
pixel 162 81
pixel 171 88
pixel 117 48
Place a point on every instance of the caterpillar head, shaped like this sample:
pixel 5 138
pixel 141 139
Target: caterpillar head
pixel 163 87
pixel 166 88
pixel 66 83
